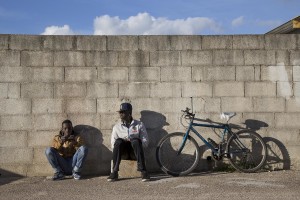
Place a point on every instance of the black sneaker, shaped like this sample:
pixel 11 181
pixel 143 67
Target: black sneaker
pixel 113 177
pixel 145 176
pixel 58 176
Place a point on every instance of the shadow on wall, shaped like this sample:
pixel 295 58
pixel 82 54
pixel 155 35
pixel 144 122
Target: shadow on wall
pixel 99 156
pixel 154 123
pixel 277 159
pixel 7 177
pixel 278 156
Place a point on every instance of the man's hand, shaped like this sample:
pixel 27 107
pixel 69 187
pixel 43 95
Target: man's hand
pixel 71 137
pixel 63 139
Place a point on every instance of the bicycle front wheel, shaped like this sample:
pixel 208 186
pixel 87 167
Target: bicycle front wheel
pixel 247 151
pixel 171 161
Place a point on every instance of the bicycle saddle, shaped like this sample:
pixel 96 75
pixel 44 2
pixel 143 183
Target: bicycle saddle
pixel 227 115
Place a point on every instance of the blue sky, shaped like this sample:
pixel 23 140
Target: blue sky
pixel 144 17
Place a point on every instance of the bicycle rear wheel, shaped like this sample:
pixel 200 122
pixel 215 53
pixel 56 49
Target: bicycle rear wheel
pixel 173 163
pixel 247 151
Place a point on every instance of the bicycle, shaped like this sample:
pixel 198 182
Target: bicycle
pixel 177 154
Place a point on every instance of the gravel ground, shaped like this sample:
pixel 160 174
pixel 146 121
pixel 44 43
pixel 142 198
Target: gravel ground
pixel 220 185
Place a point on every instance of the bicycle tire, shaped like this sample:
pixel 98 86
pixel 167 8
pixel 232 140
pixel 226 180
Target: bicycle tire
pixel 173 164
pixel 250 157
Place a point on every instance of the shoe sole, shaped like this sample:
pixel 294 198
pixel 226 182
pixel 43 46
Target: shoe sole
pixel 111 180
pixel 145 180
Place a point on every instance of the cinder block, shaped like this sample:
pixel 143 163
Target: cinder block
pixel 4 42
pixel 80 74
pixel 284 89
pixel 248 42
pixel 14 90
pixel 51 106
pixel 43 169
pixel 185 42
pixel 61 42
pixel 15 106
pixel 143 103
pixel 10 58
pixel 294 57
pixel 287 137
pixel 21 155
pixel 95 42
pixel 70 90
pixel 161 90
pixel 10 90
pixel 36 58
pixel 81 122
pixel 176 74
pixel 102 58
pixel 48 74
pixel 128 169
pixel 109 120
pixel 276 73
pixel 13 139
pixel 122 43
pixel 212 105
pixel 283 57
pixel 69 59
pixel 259 57
pixel 37 90
pixel 217 42
pixel 113 74
pixel 165 58
pixel 3 90
pixel 296 73
pixel 49 122
pixel 196 58
pixel 133 58
pixel 293 105
pixel 280 41
pixel 108 105
pixel 41 138
pixel 245 73
pixel 106 90
pixel 132 90
pixel 81 106
pixel 269 104
pixel 287 120
pixel 11 123
pixel 15 74
pixel 259 120
pixel 236 104
pixel 39 155
pixel 154 43
pixel 144 74
pixel 175 105
pixel 228 57
pixel 217 73
pixel 228 89
pixel 192 89
pixel 26 42
pixel 297 89
pixel 256 89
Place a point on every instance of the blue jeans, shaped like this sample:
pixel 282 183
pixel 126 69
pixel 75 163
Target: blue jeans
pixel 66 165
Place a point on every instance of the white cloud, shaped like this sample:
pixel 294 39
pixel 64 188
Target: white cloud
pixel 145 24
pixel 56 30
pixel 238 21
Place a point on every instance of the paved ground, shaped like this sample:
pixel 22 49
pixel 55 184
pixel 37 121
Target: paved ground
pixel 264 185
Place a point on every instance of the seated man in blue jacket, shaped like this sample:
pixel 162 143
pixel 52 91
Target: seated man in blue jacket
pixel 129 133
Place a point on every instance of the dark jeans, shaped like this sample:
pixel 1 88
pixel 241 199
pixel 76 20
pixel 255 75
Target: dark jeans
pixel 66 165
pixel 122 147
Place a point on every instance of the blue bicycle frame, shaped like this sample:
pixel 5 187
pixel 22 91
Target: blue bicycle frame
pixel 225 127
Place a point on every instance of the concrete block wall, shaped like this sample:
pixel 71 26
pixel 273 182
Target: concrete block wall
pixel 46 79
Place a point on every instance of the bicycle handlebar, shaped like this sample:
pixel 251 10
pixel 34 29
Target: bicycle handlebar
pixel 187 112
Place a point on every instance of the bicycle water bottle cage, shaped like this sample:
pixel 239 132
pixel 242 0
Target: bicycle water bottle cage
pixel 227 115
